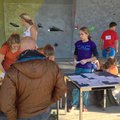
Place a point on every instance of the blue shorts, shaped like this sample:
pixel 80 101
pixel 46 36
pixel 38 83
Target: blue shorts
pixel 108 52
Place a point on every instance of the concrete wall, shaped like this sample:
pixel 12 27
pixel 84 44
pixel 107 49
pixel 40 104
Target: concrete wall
pixel 2 30
pixel 12 10
pixel 94 14
pixel 9 12
pixel 59 14
pixel 97 14
pixel 64 14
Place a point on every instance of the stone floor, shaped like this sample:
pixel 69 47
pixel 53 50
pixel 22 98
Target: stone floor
pixel 94 113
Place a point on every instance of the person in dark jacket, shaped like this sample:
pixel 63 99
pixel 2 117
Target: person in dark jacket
pixel 31 85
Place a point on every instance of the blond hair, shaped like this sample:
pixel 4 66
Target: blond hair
pixel 86 31
pixel 27 18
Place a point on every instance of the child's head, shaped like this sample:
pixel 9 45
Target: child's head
pixel 111 60
pixel 49 52
pixel 109 63
pixel 14 41
pixel 84 34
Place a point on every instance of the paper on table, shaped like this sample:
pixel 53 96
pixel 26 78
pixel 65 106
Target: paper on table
pixel 102 78
pixel 113 79
pixel 117 79
pixel 84 81
pixel 75 77
pixel 79 79
pixel 91 75
pixel 95 83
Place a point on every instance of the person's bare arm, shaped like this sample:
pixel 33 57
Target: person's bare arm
pixel 1 60
pixel 33 31
pixel 84 61
pixel 116 46
pixel 75 60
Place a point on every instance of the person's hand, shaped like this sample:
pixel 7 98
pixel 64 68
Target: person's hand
pixel 1 81
pixel 84 61
pixel 75 62
pixel 2 75
pixel 116 50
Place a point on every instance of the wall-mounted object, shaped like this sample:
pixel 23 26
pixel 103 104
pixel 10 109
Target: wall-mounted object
pixel 54 29
pixel 40 25
pixel 14 24
pixel 76 27
pixel 91 29
pixel 56 44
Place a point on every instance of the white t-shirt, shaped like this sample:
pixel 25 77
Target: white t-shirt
pixel 27 33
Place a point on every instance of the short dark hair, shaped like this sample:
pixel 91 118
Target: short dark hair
pixel 112 24
pixel 49 50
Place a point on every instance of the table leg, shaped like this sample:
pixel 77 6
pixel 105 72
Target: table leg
pixel 105 97
pixel 58 110
pixel 65 78
pixel 61 103
pixel 81 105
pixel 65 103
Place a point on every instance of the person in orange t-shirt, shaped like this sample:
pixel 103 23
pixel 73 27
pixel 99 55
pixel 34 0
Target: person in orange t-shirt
pixel 9 52
pixel 110 67
pixel 113 70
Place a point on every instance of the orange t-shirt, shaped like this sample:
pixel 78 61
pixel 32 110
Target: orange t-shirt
pixel 10 57
pixel 113 70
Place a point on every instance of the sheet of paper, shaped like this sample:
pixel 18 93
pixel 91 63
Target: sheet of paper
pixel 75 77
pixel 95 83
pixel 113 79
pixel 89 75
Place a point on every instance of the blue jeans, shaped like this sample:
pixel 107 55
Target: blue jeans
pixel 76 93
pixel 42 116
pixel 109 53
pixel 2 116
